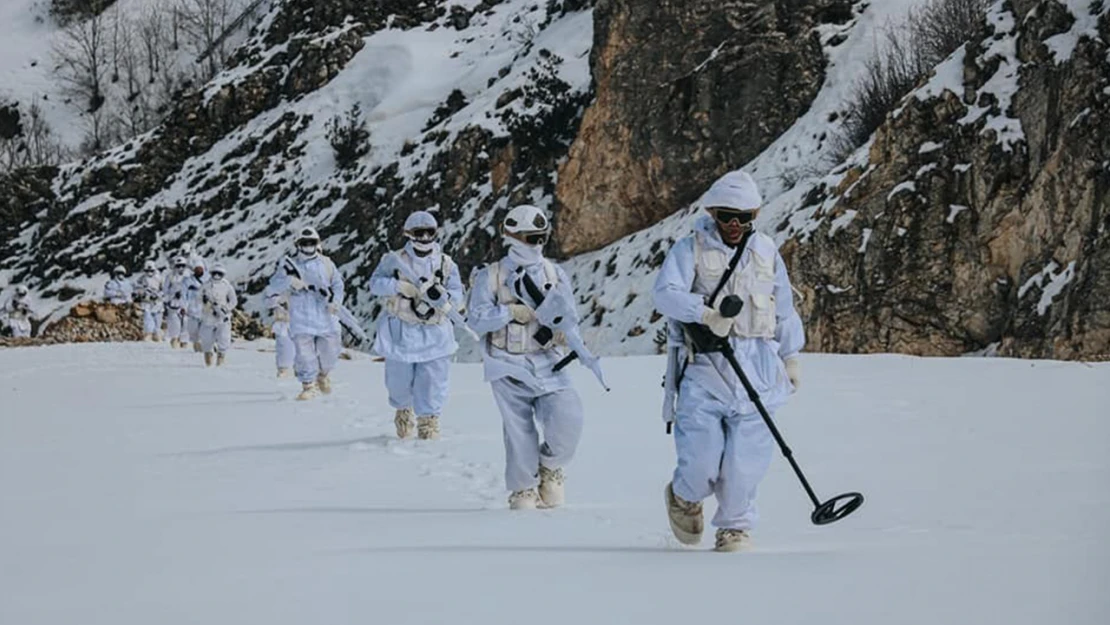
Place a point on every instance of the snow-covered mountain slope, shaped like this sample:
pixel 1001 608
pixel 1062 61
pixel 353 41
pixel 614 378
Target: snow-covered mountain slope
pixel 976 217
pixel 132 39
pixel 470 107
pixel 449 92
pixel 138 487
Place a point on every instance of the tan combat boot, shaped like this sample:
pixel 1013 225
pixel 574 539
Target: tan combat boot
pixel 403 421
pixel 732 540
pixel 685 517
pixel 551 487
pixel 427 428
pixel 524 499
pixel 308 391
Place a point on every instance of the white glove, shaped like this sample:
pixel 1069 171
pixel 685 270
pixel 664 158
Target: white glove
pixel 718 324
pixel 297 284
pixel 333 309
pixel 521 313
pixel 794 371
pixel 407 289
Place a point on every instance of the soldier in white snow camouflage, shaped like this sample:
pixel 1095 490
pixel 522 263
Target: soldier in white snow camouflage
pixel 415 335
pixel 16 313
pixel 724 447
pixel 316 291
pixel 218 301
pixel 519 366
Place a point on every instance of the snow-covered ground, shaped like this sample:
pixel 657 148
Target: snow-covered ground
pixel 137 487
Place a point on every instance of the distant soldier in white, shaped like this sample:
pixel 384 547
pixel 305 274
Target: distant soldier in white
pixel 415 335
pixel 174 294
pixel 218 300
pixel 16 313
pixel 148 292
pixel 315 294
pixel 283 340
pixel 118 289
pixel 519 365
pixel 723 446
pixel 194 307
pixel 192 257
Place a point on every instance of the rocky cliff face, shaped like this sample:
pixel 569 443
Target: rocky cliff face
pixel 685 91
pixel 978 218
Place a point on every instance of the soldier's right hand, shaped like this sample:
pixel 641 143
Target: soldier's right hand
pixel 717 323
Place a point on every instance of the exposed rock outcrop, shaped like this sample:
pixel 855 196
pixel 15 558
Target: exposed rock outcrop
pixel 100 322
pixel 685 91
pixel 980 218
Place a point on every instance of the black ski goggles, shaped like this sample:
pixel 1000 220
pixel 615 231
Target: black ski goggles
pixel 728 215
pixel 423 235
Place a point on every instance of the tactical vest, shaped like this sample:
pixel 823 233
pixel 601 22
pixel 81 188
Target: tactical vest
pixel 520 338
pixel 410 311
pixel 19 310
pixel 754 283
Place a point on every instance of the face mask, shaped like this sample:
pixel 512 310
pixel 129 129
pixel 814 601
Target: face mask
pixel 308 250
pixel 522 254
pixel 217 276
pixel 425 247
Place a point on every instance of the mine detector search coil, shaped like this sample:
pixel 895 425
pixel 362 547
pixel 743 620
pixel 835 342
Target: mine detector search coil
pixel 704 341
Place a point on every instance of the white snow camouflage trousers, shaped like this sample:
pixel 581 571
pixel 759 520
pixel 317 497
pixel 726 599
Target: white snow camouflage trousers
pixel 316 355
pixel 720 452
pixel 193 324
pixel 558 413
pixel 21 328
pixel 421 386
pixel 215 335
pixel 283 345
pixel 152 320
pixel 175 325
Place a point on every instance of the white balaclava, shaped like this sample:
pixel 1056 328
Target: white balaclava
pixel 308 243
pixel 421 229
pixel 526 230
pixel 733 201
